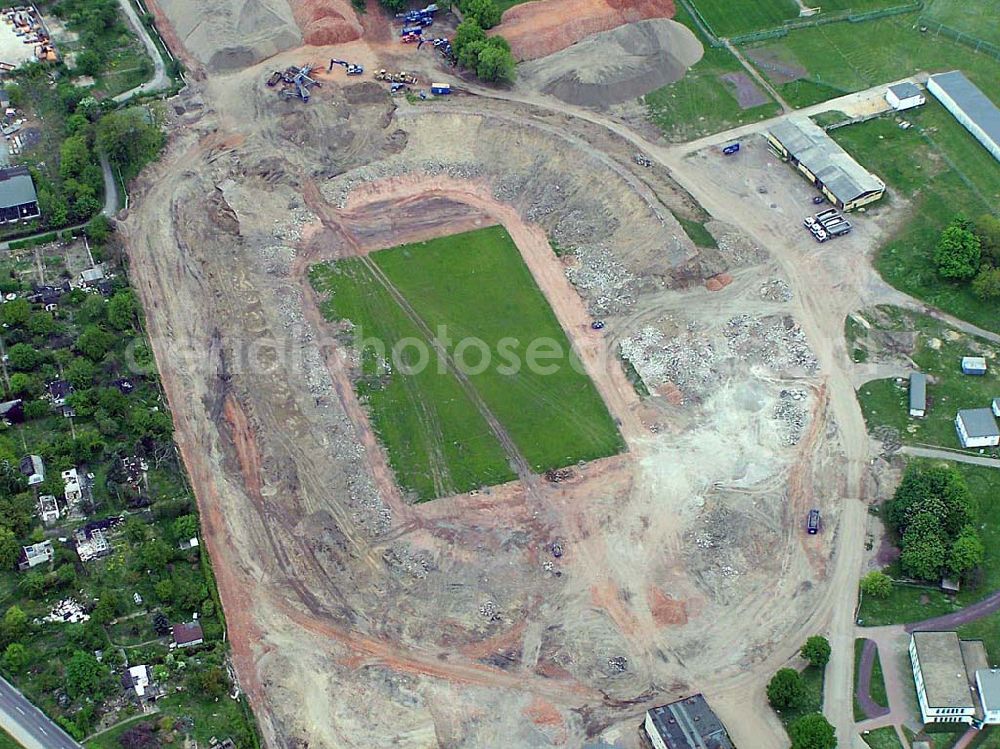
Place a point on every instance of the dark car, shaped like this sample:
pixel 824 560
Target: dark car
pixel 812 524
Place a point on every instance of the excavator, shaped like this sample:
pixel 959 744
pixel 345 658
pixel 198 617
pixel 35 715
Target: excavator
pixel 350 67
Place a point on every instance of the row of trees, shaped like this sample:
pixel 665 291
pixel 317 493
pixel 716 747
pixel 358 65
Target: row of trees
pixel 787 692
pixel 970 251
pixel 489 57
pixel 933 512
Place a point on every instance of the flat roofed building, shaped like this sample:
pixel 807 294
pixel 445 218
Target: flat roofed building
pixel 686 724
pixel 977 427
pixel 970 106
pixel 918 394
pixel 988 686
pixel 846 183
pixel 939 674
pixel 17 195
pixel 904 95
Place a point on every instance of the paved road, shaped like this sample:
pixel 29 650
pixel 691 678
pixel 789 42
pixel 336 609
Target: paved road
pixel 160 79
pixel 959 457
pixel 29 725
pixel 864 692
pixel 985 607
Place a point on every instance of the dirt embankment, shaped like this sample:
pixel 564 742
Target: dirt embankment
pixel 616 66
pixel 326 21
pixel 542 27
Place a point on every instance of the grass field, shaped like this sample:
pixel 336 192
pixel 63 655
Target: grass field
pixel 909 603
pixel 839 58
pixel 882 738
pixel 938 353
pixel 878 693
pixel 472 286
pixel 700 103
pixel 7 741
pixel 943 170
pixel 728 18
pixel 812 679
pixel 978 18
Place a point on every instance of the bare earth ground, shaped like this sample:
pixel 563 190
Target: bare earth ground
pixel 686 567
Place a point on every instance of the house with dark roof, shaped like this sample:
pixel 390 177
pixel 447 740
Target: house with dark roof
pixel 188 634
pixel 808 147
pixel 18 200
pixel 970 106
pixel 58 390
pixel 12 412
pixel 686 724
pixel 977 427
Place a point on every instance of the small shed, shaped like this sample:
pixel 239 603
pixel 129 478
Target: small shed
pixel 977 427
pixel 904 95
pixel 188 634
pixel 973 365
pixel 996 406
pixel 918 394
pixel 949 585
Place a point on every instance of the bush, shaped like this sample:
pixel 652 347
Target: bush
pixel 817 651
pixel 489 57
pixel 876 584
pixel 785 690
pixel 958 251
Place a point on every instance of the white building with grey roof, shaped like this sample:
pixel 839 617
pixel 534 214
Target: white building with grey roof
pixel 977 427
pixel 803 143
pixel 988 686
pixel 904 95
pixel 970 106
pixel 943 689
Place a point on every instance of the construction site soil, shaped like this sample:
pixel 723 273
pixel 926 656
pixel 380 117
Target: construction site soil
pixel 357 619
pixel 615 66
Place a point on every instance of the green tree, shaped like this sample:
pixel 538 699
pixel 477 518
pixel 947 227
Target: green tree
pixel 15 624
pixel 94 343
pixel 185 527
pixel 85 675
pixel 986 285
pixel 135 530
pixel 786 690
pixel 128 139
pixel 164 590
pixel 468 56
pixel 496 63
pixel 485 12
pixel 42 324
pixel 10 550
pixel 15 313
pixel 924 556
pixel 81 373
pixel 99 229
pixel 468 31
pixel 876 584
pixel 89 63
pixel 121 310
pixel 966 553
pixel 33 583
pixel 987 228
pixel 15 658
pixel 23 384
pixel 958 252
pixel 23 357
pixel 816 650
pixel 210 682
pixel 74 156
pixel 812 732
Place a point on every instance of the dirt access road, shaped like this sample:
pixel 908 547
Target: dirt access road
pixel 685 566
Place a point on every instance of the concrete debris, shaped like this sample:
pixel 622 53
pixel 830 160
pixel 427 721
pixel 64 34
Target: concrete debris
pixel 735 246
pixel 610 286
pixel 618 664
pixel 490 611
pixel 686 359
pixel 777 342
pixel 890 439
pixel 790 411
pixel 775 290
pixel 400 558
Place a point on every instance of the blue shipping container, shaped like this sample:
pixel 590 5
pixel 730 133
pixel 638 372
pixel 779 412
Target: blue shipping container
pixel 440 89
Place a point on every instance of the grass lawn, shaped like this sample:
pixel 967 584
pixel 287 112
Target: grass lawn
pixel 988 738
pixel 882 738
pixel 908 603
pixel 696 232
pixel 938 353
pixel 943 170
pixel 701 103
pixel 728 18
pixel 842 57
pixel 471 286
pixel 7 741
pixel 977 18
pixel 507 4
pixel 878 693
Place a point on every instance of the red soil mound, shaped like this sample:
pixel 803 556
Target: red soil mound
pixel 326 21
pixel 539 28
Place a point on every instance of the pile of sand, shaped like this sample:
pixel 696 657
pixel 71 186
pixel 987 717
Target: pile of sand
pixel 615 66
pixel 326 21
pixel 231 34
pixel 542 27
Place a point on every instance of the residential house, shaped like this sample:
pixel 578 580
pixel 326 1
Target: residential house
pixel 977 427
pixel 91 542
pixel 73 491
pixel 34 555
pixel 12 412
pixel 48 509
pixel 188 634
pixel 58 390
pixel 32 467
pixel 18 200
pixel 139 681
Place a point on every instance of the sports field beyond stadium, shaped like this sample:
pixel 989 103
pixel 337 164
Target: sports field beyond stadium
pixel 473 293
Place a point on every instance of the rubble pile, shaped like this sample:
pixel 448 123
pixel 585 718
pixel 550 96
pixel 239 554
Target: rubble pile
pixel 777 342
pixel 791 412
pixel 400 558
pixel 610 286
pixel 889 437
pixel 687 359
pixel 776 290
pixel 490 611
pixel 737 248
pixel 618 664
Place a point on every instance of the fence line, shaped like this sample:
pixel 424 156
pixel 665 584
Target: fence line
pixel 968 40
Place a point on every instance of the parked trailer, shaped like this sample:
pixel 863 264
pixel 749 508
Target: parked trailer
pixel 408 30
pixel 440 89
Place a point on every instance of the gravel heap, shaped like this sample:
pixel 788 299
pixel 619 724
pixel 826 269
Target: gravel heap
pixel 776 290
pixel 777 342
pixel 688 360
pixel 791 412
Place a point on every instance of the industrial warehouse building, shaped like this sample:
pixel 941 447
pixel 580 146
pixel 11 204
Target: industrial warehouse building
pixel 18 200
pixel 846 183
pixel 686 724
pixel 971 107
pixel 939 673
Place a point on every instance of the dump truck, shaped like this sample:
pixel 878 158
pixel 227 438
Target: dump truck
pixel 813 522
pixel 440 89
